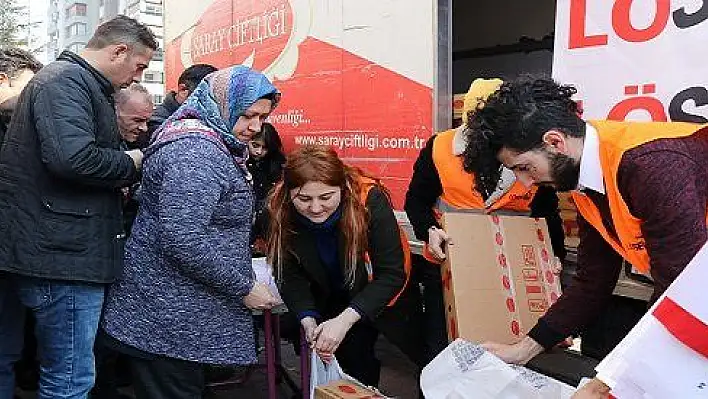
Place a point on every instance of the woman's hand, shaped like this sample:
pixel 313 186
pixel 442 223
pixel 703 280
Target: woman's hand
pixel 260 298
pixel 330 334
pixel 309 324
pixel 437 240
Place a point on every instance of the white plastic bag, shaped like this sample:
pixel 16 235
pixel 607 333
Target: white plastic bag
pixel 466 371
pixel 264 275
pixel 321 373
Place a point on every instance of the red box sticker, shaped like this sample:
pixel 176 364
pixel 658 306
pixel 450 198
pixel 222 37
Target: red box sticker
pixel 550 277
pixel 537 305
pixel 515 329
pixel 554 297
pixel 530 274
pixel 511 305
pixel 453 328
pixel 534 289
pixel 447 280
pixel 506 283
pixel 529 255
pixel 541 238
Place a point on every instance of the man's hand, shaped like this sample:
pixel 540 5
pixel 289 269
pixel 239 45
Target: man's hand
pixel 309 324
pixel 331 333
pixel 566 343
pixel 519 353
pixel 595 389
pixel 437 239
pixel 137 157
pixel 260 298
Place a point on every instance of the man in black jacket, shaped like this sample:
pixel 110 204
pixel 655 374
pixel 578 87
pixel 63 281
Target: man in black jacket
pixel 17 67
pixel 187 82
pixel 61 173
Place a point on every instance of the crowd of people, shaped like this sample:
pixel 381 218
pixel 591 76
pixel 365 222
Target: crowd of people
pixel 128 233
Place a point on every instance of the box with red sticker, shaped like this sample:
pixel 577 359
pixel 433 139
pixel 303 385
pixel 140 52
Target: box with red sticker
pixel 498 278
pixel 344 389
pixel 569 215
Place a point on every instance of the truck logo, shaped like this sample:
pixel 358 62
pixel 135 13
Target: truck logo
pixel 263 35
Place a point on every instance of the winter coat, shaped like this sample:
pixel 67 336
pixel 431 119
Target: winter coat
pixel 61 173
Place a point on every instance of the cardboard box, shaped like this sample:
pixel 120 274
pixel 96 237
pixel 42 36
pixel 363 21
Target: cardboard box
pixel 344 389
pixel 569 215
pixel 458 105
pixel 497 278
pixel 565 202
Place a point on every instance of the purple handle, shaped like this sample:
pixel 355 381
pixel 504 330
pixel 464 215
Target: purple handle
pixel 304 365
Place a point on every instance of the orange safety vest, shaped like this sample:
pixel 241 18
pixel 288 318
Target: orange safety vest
pixel 366 185
pixel 616 138
pixel 458 191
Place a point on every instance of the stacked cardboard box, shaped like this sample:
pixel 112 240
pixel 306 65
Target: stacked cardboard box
pixel 569 214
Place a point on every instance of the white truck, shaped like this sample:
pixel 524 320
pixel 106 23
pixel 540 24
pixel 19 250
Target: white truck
pixel 376 78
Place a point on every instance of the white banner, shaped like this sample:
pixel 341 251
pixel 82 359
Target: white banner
pixel 666 353
pixel 635 59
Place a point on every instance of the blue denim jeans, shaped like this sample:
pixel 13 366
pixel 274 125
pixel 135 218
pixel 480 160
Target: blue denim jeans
pixel 67 316
pixel 12 321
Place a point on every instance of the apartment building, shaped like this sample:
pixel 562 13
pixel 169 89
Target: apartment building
pixel 70 25
pixel 148 12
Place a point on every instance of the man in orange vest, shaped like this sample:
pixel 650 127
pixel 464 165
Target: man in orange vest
pixel 440 184
pixel 641 190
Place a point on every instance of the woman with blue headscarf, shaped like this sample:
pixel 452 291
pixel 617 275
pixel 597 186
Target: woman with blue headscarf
pixel 187 289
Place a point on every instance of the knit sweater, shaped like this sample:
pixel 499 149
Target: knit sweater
pixel 187 262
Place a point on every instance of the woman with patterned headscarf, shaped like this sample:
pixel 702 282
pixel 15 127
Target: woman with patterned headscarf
pixel 186 294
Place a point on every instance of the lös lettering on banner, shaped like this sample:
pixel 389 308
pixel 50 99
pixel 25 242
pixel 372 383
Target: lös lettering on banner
pixel 624 28
pixel 633 59
pixel 642 98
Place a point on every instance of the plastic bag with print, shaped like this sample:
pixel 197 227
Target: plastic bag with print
pixel 466 371
pixel 264 275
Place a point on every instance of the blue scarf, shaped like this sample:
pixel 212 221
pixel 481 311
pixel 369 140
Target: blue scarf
pixel 326 238
pixel 217 103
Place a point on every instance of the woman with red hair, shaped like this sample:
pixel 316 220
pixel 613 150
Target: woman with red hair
pixel 337 249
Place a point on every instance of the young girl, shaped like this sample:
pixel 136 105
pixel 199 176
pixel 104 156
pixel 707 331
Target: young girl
pixel 265 164
pixel 337 248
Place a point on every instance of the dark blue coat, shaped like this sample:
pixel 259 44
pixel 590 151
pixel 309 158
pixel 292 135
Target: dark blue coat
pixel 61 173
